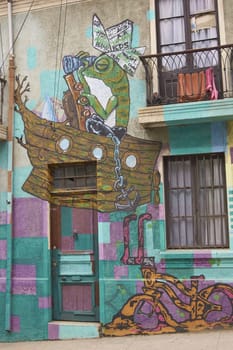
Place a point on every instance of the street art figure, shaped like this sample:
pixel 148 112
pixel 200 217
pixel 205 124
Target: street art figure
pixel 169 305
pixel 97 106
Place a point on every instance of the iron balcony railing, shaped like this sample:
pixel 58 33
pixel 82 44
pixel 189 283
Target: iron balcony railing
pixel 188 76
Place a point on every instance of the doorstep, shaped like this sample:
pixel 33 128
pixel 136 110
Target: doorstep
pixel 58 330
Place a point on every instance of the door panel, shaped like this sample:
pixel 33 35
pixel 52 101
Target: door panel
pixel 74 264
pixel 70 301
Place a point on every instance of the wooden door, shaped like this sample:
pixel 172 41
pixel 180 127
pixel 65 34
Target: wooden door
pixel 74 264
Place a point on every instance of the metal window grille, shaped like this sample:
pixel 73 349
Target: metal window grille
pixel 196 203
pixel 75 176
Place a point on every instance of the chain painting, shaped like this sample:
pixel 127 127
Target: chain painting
pixel 96 106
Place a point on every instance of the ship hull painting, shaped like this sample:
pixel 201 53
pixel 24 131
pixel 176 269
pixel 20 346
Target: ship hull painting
pixel 52 143
pixel 96 107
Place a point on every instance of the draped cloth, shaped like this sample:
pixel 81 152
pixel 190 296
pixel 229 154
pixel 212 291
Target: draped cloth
pixel 197 86
pixel 210 84
pixel 191 87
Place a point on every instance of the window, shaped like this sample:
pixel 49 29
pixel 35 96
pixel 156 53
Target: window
pixel 74 176
pixel 196 203
pixel 186 24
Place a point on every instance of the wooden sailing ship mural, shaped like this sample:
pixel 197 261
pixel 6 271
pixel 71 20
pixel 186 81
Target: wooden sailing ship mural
pixel 97 107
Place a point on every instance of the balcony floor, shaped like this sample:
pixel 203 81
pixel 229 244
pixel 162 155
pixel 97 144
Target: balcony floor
pixel 186 113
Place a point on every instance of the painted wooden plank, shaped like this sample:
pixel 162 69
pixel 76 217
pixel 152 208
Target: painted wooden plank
pixel 77 297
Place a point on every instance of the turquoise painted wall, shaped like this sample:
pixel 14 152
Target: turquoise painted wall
pixel 125 306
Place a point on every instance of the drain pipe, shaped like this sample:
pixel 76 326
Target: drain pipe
pixel 10 148
pixel 10 26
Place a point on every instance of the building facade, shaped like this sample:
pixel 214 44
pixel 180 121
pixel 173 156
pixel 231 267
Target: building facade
pixel 116 157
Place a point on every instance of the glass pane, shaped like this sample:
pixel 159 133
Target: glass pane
pixel 58 172
pixel 174 233
pixel 58 183
pixel 188 203
pixel 211 202
pixel 180 174
pixel 69 182
pixel 171 8
pixel 173 200
pixel 219 228
pixel 205 229
pixel 205 172
pixel 218 201
pixel 207 36
pixel 80 170
pixel 223 234
pixel 210 235
pixel 213 232
pixel 91 169
pixel 218 168
pixel 173 174
pixel 91 182
pixel 197 6
pixel 172 31
pixel 81 182
pixel 185 203
pixel 190 232
pixel 211 171
pixel 181 233
pixel 69 171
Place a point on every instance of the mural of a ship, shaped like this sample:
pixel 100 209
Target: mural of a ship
pixel 96 106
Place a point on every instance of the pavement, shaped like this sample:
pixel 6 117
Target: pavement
pixel 205 340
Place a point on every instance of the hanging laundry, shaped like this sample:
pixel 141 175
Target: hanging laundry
pixel 210 84
pixel 191 87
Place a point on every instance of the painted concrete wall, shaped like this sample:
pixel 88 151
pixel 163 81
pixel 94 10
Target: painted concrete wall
pixel 143 314
pixel 131 240
pixel 228 9
pixel 38 51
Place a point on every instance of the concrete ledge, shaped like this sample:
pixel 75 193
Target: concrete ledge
pixel 58 330
pixel 186 113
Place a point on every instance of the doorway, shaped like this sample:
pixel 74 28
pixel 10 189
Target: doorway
pixel 74 247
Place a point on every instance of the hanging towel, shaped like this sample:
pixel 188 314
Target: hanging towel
pixel 191 86
pixel 210 84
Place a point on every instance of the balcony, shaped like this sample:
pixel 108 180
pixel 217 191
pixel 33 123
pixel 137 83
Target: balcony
pixel 188 87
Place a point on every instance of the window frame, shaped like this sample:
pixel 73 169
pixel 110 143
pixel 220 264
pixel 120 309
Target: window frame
pixel 187 25
pixel 75 177
pixel 197 230
pixel 179 58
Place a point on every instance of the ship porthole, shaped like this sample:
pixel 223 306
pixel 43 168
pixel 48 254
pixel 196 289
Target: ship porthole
pixel 64 144
pixel 131 161
pixel 99 152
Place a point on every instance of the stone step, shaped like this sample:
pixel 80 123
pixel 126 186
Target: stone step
pixel 58 330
